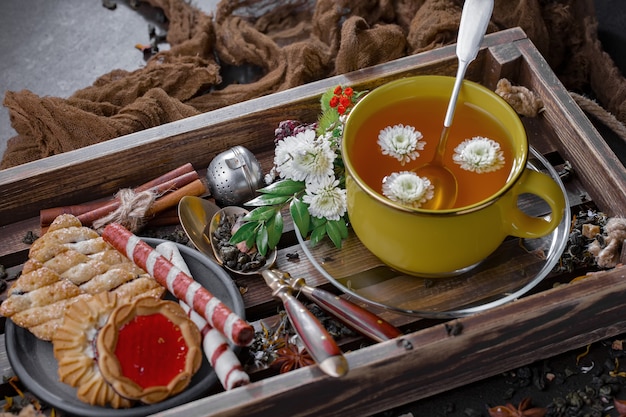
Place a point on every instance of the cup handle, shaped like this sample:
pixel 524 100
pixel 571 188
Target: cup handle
pixel 544 187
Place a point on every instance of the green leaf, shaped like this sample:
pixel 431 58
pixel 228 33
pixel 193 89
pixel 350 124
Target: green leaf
pixel 357 95
pixel 284 187
pixel 334 232
pixel 300 214
pixel 262 240
pixel 318 234
pixel 251 241
pixel 268 200
pixel 318 221
pixel 343 228
pixel 246 232
pixel 274 230
pixel 261 214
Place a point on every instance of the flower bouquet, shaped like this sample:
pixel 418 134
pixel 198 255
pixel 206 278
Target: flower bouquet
pixel 310 179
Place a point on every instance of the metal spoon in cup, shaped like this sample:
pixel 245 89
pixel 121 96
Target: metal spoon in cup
pixel 474 20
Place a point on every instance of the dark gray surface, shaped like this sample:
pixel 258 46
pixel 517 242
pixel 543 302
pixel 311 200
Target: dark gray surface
pixel 612 30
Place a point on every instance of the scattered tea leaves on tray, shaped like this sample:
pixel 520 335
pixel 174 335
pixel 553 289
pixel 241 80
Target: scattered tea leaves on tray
pixel 576 254
pixel 266 343
pixel 334 327
pixel 454 329
pixel 293 256
pixel 30 237
pixel 176 234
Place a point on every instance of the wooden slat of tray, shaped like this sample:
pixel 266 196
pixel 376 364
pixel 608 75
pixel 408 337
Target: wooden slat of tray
pixel 424 362
pixel 601 171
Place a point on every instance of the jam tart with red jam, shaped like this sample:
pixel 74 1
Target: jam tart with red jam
pixel 149 350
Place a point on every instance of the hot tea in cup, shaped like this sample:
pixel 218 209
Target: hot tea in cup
pixel 394 130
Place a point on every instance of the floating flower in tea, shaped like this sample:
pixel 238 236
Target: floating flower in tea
pixel 479 155
pixel 408 188
pixel 401 142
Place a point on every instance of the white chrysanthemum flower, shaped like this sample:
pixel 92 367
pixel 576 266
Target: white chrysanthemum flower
pixel 302 158
pixel 408 188
pixel 479 154
pixel 401 142
pixel 326 199
pixel 285 151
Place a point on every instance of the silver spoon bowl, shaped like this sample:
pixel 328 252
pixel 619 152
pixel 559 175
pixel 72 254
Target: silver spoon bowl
pixel 231 214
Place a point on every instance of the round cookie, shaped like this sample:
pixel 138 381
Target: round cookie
pixel 149 349
pixel 74 347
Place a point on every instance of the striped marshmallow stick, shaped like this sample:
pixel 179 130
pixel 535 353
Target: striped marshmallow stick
pixel 216 348
pixel 181 285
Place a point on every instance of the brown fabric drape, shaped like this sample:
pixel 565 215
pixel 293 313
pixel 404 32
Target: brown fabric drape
pixel 291 43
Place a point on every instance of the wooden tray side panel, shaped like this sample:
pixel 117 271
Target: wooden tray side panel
pixel 599 169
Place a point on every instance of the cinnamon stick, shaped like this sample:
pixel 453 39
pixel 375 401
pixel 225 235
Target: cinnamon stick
pixel 46 216
pixel 163 189
pixel 195 188
pixel 167 217
pixel 175 173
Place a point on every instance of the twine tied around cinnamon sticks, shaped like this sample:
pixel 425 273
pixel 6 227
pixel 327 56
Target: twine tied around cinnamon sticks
pixel 134 207
pixel 131 212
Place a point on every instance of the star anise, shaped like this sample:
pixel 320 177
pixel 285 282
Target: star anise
pixel 522 410
pixel 290 357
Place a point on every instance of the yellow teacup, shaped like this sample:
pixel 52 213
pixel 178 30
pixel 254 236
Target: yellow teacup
pixel 439 243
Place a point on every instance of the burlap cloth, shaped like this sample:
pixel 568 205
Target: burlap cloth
pixel 292 43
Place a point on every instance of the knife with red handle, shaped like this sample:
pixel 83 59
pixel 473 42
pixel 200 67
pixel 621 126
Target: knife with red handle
pixel 349 313
pixel 318 342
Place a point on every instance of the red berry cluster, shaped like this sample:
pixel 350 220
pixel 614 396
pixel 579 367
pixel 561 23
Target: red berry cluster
pixel 342 100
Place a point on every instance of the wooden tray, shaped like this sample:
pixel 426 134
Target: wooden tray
pixel 425 361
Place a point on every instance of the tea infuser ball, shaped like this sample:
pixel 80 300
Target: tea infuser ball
pixel 233 176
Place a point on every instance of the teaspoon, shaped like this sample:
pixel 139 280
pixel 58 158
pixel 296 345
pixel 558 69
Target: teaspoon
pixel 474 20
